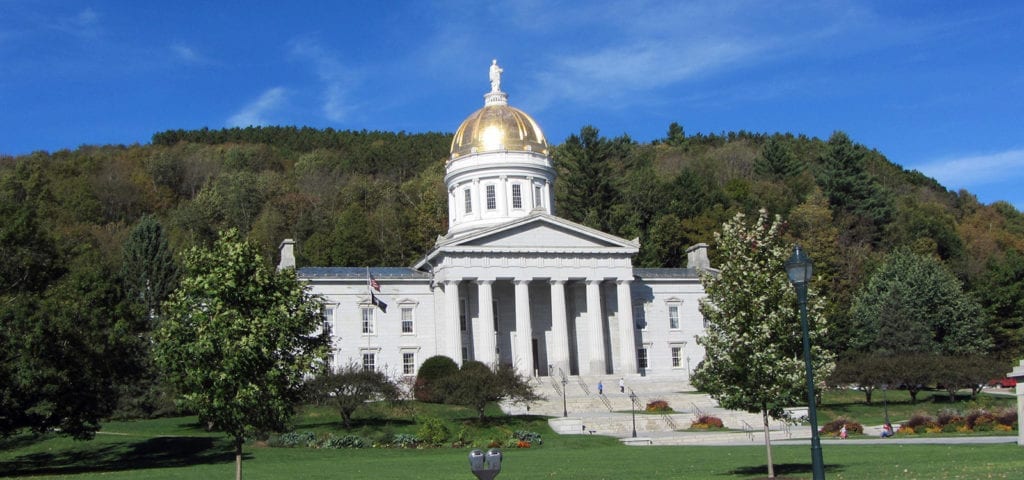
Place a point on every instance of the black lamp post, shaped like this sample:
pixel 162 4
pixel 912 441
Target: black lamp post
pixel 565 383
pixel 798 268
pixel 632 402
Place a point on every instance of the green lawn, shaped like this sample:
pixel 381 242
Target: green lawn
pixel 177 448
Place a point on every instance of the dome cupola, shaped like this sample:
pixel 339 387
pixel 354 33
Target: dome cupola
pixel 499 168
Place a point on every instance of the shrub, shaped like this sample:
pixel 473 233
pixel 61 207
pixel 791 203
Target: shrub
pixel 1007 417
pixel 658 406
pixel 432 431
pixel 705 422
pixel 433 369
pixel 530 437
pixel 918 423
pixel 833 427
pixel 405 440
pixel 293 439
pixel 347 441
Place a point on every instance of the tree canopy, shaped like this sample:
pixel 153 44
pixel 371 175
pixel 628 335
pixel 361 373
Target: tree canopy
pixel 753 350
pixel 237 339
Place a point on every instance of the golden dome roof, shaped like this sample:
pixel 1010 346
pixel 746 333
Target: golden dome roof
pixel 498 127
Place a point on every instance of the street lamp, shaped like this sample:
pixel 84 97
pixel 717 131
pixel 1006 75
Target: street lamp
pixel 798 268
pixel 632 402
pixel 565 383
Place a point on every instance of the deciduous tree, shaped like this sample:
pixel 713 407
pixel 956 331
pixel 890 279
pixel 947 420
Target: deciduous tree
pixel 237 338
pixel 349 387
pixel 753 340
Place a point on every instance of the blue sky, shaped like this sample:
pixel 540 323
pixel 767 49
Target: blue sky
pixel 935 86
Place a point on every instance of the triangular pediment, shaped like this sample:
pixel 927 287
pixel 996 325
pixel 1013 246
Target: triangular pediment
pixel 539 232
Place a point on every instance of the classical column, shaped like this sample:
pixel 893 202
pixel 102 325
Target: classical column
pixel 627 339
pixel 595 354
pixel 524 330
pixel 483 328
pixel 559 352
pixel 452 329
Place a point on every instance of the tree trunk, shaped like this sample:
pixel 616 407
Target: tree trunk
pixel 238 457
pixel 768 440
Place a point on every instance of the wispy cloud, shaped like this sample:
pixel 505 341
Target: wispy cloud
pixel 255 112
pixel 85 23
pixel 976 170
pixel 337 80
pixel 187 54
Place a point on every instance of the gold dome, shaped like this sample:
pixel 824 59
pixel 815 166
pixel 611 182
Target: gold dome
pixel 498 127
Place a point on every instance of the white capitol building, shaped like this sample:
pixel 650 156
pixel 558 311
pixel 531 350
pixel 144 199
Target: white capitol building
pixel 511 282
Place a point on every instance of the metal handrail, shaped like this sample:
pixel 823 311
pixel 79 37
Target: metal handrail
pixel 748 429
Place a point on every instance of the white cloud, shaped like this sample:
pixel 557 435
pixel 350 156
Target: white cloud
pixel 337 80
pixel 253 114
pixel 187 54
pixel 85 23
pixel 977 170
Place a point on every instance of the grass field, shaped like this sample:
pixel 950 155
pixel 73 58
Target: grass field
pixel 176 448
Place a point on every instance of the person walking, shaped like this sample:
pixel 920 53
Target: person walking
pixel 622 386
pixel 600 388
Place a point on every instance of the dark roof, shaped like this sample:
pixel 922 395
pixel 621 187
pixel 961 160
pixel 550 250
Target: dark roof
pixel 665 273
pixel 359 273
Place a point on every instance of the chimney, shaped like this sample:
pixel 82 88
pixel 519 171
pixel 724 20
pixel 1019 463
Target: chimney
pixel 697 257
pixel 287 254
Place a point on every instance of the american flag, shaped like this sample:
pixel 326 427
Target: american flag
pixel 373 283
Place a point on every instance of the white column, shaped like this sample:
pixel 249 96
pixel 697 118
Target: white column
pixel 452 329
pixel 524 329
pixel 627 331
pixel 483 327
pixel 559 354
pixel 596 334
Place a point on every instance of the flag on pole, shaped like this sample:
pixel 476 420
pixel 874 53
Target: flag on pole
pixel 379 303
pixel 374 284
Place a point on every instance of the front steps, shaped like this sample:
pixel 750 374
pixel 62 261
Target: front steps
pixel 611 413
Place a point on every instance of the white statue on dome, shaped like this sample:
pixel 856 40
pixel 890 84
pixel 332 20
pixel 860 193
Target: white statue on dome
pixel 495 75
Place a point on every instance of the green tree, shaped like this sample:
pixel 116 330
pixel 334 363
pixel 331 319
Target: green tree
pixel 476 385
pixel 913 303
pixel 1002 294
pixel 850 188
pixel 777 161
pixel 753 340
pixel 585 163
pixel 350 387
pixel 237 338
pixel 65 352
pixel 676 135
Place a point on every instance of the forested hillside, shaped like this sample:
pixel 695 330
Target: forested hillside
pixel 377 198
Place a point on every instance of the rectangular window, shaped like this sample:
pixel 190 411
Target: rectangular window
pixel 638 317
pixel 407 320
pixel 673 317
pixel 536 196
pixel 328 321
pixel 641 358
pixel 677 357
pixel 408 363
pixel 517 196
pixel 368 320
pixel 462 314
pixel 492 200
pixel 465 354
pixel 369 362
pixel 468 195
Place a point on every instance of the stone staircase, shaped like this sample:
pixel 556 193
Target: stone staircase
pixel 611 414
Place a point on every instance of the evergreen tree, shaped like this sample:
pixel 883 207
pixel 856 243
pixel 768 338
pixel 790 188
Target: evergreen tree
pixel 777 161
pixel 845 180
pixel 584 163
